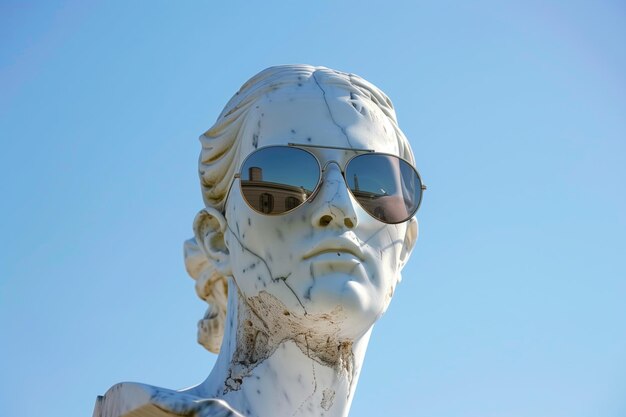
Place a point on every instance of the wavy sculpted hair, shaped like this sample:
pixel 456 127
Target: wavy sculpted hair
pixel 220 158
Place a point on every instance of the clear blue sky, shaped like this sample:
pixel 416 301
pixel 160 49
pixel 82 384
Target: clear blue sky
pixel 514 303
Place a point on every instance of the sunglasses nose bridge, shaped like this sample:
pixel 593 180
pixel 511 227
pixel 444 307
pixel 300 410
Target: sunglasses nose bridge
pixel 332 161
pixel 329 174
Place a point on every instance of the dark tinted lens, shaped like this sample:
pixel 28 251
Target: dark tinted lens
pixel 386 186
pixel 277 179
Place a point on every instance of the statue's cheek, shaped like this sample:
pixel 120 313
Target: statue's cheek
pixel 250 268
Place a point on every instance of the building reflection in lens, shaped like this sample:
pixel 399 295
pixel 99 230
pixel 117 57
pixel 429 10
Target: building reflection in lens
pixel 271 197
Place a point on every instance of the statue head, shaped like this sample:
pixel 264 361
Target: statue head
pixel 310 199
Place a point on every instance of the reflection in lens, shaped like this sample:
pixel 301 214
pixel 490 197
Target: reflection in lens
pixel 277 179
pixel 386 186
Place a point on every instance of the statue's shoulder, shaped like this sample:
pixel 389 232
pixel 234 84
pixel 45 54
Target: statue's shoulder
pixel 132 399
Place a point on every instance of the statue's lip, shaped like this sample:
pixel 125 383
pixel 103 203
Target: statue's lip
pixel 335 246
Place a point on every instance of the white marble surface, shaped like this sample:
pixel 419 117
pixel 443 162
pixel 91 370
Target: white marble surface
pixel 303 289
pixel 131 399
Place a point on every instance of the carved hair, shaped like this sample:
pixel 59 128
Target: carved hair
pixel 220 158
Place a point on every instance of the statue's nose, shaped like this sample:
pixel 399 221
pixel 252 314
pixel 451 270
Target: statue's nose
pixel 333 202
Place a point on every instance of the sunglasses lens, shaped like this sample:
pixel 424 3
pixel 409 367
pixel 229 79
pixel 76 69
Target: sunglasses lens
pixel 277 179
pixel 386 186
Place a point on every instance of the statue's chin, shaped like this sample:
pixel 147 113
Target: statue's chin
pixel 341 299
pixel 348 302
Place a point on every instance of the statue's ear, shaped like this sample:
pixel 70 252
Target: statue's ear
pixel 409 241
pixel 209 227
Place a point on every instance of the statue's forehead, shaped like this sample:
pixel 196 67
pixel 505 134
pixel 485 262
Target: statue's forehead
pixel 310 115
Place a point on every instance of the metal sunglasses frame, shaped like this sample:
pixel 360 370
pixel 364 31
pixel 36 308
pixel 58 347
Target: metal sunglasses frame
pixel 322 168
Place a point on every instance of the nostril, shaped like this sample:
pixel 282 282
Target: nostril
pixel 349 223
pixel 325 220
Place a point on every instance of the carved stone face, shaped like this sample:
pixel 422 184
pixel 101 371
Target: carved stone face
pixel 344 270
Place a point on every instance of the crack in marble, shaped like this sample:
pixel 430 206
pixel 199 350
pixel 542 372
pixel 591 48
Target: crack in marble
pixel 266 324
pixel 392 243
pixel 374 234
pixel 269 271
pixel 245 248
pixel 307 399
pixel 307 293
pixel 295 295
pixel 336 193
pixel 341 128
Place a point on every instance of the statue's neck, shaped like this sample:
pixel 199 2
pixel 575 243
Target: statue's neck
pixel 273 365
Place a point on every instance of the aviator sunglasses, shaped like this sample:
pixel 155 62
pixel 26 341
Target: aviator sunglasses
pixel 275 180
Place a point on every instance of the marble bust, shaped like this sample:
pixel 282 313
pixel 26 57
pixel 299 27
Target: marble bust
pixel 293 293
